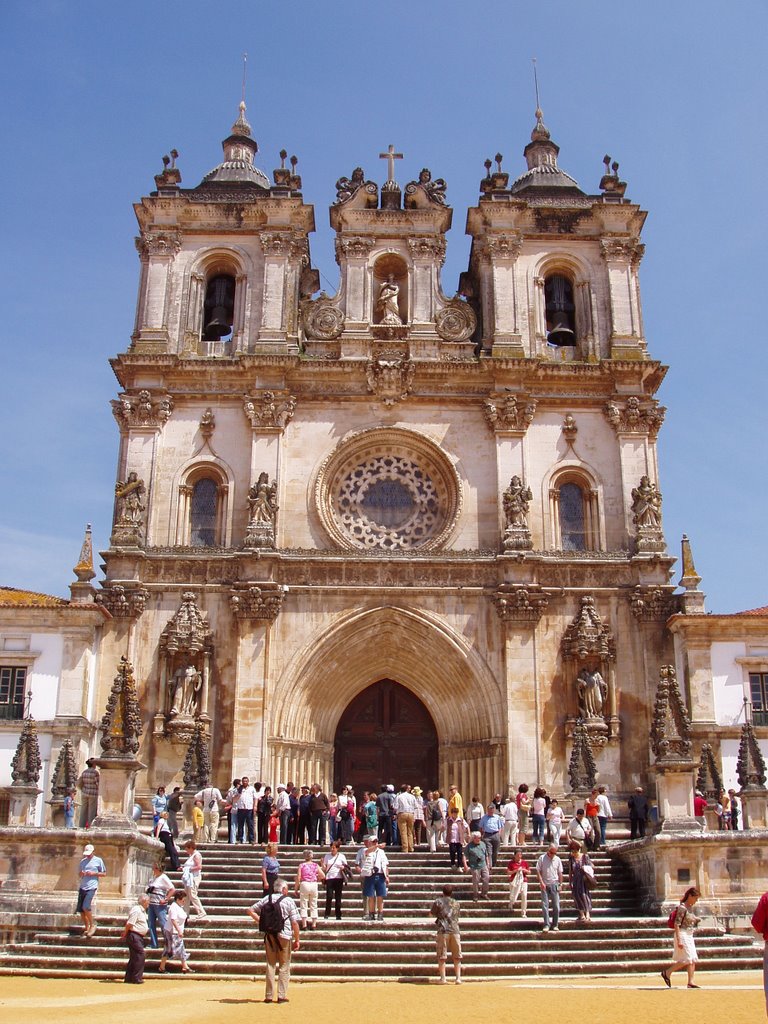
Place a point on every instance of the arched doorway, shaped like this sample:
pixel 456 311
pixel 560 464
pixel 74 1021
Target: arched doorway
pixel 385 735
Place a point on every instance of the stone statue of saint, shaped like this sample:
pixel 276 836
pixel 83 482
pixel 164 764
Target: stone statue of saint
pixel 516 499
pixel 262 501
pixel 592 693
pixel 386 306
pixel 129 506
pixel 646 504
pixel 185 690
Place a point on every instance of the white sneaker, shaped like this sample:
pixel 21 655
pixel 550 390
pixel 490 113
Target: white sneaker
pixel 555 929
pixel 545 928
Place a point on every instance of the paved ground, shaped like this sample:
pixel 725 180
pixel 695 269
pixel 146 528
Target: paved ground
pixel 735 998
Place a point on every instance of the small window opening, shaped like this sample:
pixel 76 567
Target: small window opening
pixel 203 508
pixel 572 520
pixel 560 310
pixel 219 308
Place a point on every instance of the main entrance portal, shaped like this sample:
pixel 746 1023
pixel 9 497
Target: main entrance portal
pixel 385 735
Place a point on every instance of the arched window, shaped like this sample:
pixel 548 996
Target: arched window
pixel 560 310
pixel 572 518
pixel 203 509
pixel 219 307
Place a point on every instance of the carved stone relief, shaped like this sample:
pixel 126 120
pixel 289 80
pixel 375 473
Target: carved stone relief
pixel 391 380
pixel 261 601
pixel 123 602
pixel 269 410
pixel 129 511
pixel 652 602
pixel 513 413
pixel 635 417
pixel 516 499
pixel 186 649
pixel 262 513
pixel 322 319
pixel 142 409
pixel 520 603
pixel 646 516
pixel 589 656
pixel 456 321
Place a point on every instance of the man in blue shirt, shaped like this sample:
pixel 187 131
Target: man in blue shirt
pixel 491 827
pixel 90 871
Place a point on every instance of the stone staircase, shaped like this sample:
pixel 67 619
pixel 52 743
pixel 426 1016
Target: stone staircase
pixel 228 945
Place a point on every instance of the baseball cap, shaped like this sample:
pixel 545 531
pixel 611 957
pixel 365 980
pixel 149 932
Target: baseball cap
pixel 88 850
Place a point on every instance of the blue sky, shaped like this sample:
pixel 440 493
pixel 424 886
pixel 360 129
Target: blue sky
pixel 96 93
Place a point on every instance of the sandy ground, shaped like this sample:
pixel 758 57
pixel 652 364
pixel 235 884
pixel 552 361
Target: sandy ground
pixel 735 998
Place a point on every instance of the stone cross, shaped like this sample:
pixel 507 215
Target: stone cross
pixel 390 156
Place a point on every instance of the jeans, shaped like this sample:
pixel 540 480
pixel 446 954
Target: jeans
pixel 454 850
pixel 603 826
pixel 245 824
pixel 539 824
pixel 551 892
pixel 394 833
pixel 285 821
pixel 317 828
pixel 232 820
pixel 333 887
pixel 157 913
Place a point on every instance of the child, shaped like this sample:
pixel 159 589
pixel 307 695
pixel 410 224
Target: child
pixel 69 809
pixel 274 826
pixel 197 821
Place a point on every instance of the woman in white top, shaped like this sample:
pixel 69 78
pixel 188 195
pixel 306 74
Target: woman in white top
pixel 475 811
pixel 346 815
pixel 191 875
pixel 684 954
pixel 555 821
pixel 160 894
pixel 509 814
pixel 333 866
pixel 174 935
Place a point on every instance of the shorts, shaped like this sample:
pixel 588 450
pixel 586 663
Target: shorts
pixel 375 885
pixel 84 899
pixel 448 942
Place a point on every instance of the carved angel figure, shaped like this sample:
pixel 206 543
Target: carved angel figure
pixel 185 689
pixel 386 305
pixel 434 189
pixel 516 500
pixel 592 693
pixel 262 501
pixel 128 494
pixel 646 504
pixel 346 187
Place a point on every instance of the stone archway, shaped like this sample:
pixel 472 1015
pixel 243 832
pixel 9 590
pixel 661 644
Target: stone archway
pixel 385 735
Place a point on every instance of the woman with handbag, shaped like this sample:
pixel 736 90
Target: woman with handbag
pixel 581 874
pixel 337 872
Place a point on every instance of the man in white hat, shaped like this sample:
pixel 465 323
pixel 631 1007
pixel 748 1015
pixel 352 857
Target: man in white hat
pixel 90 871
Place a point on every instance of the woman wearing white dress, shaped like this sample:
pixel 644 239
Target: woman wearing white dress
pixel 685 948
pixel 173 933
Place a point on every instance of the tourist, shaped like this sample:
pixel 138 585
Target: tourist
pixel 230 806
pixel 684 954
pixel 281 937
pixel 302 824
pixel 173 807
pixel 591 812
pixel 457 836
pixel 337 873
pixel 511 821
pixel 346 814
pixel 638 813
pixel 405 809
pixel 293 822
pixel 211 800
pixel 273 828
pixel 539 815
pixel 497 802
pixel 475 859
pixel 523 810
pixel 360 856
pixel 579 830
pixel 735 808
pixel 475 811
pixel 443 804
pixel 604 814
pixel 433 817
pixel 91 869
pixel 163 833
pixel 445 911
pixel 549 869
pixel 159 804
pixel 264 806
pixel 517 873
pixel 760 924
pixel 246 804
pixel 308 875
pixel 198 822
pixel 319 812
pixel 455 800
pixel 491 827
pixel 418 817
pixel 282 808
pixel 69 809
pixel 89 787
pixel 173 934
pixel 725 801
pixel 136 927
pixel 581 876
pixel 555 816
pixel 270 868
pixel 160 892
pixel 191 876
pixel 375 874
pixel 700 805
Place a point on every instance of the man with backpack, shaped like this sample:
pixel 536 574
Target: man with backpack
pixel 278 919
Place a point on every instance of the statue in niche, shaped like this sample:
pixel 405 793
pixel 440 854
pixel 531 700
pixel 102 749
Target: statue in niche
pixel 128 494
pixel 646 504
pixel 592 693
pixel 517 498
pixel 185 691
pixel 262 501
pixel 386 305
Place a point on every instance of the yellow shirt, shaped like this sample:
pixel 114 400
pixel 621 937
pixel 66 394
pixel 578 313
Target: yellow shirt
pixel 458 803
pixel 197 817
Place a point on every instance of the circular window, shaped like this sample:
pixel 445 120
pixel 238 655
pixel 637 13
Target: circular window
pixel 388 489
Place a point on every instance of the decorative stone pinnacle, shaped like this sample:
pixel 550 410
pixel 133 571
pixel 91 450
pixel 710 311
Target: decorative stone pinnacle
pixel 197 763
pixel 582 770
pixel 690 579
pixel 671 726
pixel 84 568
pixel 64 776
pixel 121 724
pixel 27 763
pixel 750 763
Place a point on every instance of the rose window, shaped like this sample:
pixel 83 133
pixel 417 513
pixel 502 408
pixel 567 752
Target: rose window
pixel 388 489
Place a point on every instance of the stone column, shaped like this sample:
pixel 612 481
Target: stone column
pixel 23 800
pixel 675 783
pixel 117 783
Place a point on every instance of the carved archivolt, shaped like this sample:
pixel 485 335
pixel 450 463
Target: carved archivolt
pixel 322 320
pixel 389 489
pixel 456 321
